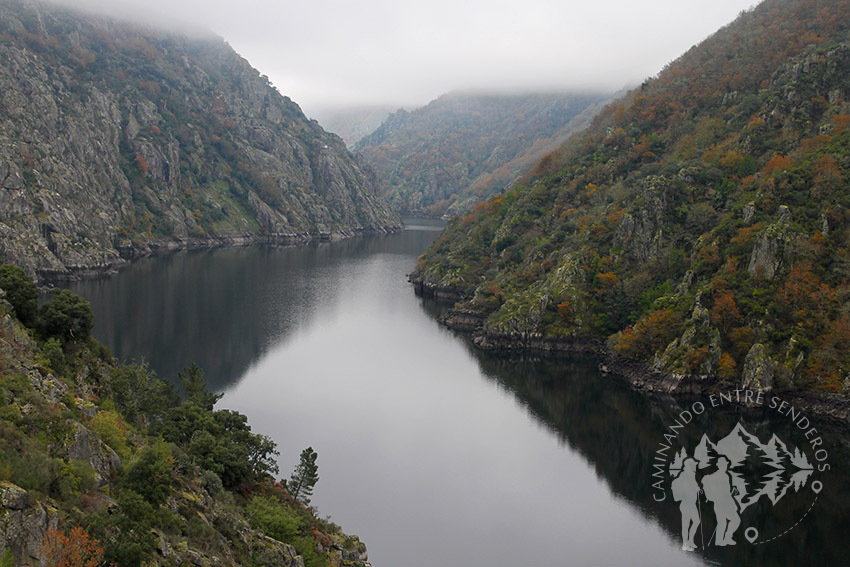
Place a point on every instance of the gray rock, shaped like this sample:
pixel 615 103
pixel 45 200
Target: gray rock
pixel 86 446
pixel 759 370
pixel 12 497
pixel 641 233
pixel 768 254
pixel 23 526
pixel 272 553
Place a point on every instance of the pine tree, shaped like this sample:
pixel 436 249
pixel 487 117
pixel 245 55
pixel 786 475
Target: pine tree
pixel 304 477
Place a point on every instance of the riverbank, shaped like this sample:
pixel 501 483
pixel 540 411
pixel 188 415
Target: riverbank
pixel 639 375
pixel 127 252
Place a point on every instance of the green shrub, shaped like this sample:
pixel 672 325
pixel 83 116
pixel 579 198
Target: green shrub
pixel 112 431
pixel 274 518
pixel 21 293
pixel 138 393
pixel 67 316
pixel 150 474
pixel 55 356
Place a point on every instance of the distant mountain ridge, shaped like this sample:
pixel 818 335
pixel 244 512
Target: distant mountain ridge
pixel 117 139
pixel 355 123
pixel 465 146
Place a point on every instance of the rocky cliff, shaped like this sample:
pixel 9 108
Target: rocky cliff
pixel 118 140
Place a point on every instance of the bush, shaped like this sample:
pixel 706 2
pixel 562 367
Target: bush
pixel 274 519
pixel 212 483
pixel 150 474
pixel 52 351
pixel 139 394
pixel 652 332
pixel 21 293
pixel 67 316
pixel 220 441
pixel 112 431
pixel 126 535
pixel 77 549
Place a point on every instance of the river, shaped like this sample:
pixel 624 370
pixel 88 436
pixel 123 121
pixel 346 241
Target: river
pixel 433 452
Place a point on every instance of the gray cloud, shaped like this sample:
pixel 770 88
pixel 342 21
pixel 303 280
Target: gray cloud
pixel 325 53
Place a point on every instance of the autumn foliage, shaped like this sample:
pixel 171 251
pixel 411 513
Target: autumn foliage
pixel 652 332
pixel 75 549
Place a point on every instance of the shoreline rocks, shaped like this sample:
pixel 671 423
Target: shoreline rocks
pixel 639 375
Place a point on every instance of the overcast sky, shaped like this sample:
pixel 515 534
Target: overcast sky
pixel 325 53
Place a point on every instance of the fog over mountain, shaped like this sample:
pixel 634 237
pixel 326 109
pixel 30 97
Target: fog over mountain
pixel 339 54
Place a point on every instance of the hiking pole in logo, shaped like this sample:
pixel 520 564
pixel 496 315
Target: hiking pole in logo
pixel 734 474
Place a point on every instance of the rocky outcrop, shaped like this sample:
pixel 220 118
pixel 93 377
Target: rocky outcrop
pixel 767 256
pixel 463 319
pixel 23 524
pixel 118 141
pixel 269 552
pixel 641 231
pixel 85 446
pixel 759 369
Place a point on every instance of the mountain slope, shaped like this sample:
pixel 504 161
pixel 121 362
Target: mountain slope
pixel 105 458
pixel 115 139
pixel 700 224
pixel 464 147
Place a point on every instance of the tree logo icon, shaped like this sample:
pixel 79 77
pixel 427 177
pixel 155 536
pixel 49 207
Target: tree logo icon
pixel 725 484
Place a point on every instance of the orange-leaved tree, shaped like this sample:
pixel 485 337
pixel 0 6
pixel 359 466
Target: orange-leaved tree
pixel 75 549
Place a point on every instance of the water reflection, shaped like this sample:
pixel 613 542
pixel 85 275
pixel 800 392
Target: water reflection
pixel 224 309
pixel 618 431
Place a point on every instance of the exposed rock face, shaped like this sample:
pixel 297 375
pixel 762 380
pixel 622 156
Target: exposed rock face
pixel 758 369
pixel 86 446
pixel 272 553
pixel 23 524
pixel 766 258
pixel 641 232
pixel 117 141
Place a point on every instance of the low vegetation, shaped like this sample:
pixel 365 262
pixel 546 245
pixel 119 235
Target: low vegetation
pixel 128 471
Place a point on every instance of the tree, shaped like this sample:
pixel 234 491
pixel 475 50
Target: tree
pixel 192 378
pixel 21 293
pixel 77 549
pixel 304 477
pixel 67 316
pixel 150 474
pixel 220 441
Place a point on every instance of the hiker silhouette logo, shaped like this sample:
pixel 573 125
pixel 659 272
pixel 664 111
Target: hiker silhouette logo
pixel 738 479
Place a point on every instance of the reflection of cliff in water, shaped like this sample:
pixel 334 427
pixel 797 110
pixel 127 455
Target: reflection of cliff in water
pixel 618 431
pixel 223 309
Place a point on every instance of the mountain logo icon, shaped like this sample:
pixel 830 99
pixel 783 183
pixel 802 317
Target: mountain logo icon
pixel 731 480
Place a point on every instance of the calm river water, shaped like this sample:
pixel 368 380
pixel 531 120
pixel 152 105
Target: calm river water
pixel 438 454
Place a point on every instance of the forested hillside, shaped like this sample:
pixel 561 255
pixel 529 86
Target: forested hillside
pixel 103 463
pixel 118 139
pixel 700 225
pixel 463 147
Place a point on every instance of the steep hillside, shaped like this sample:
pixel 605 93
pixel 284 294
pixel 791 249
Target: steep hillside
pixel 700 225
pixel 463 147
pixel 117 139
pixel 104 464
